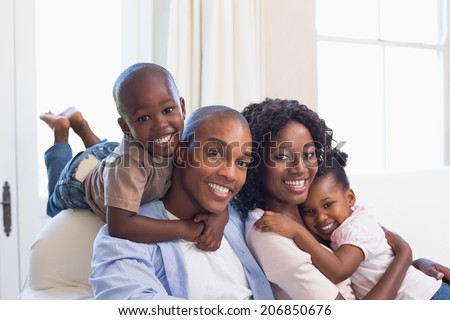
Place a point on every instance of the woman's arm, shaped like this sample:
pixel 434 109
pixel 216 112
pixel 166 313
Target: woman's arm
pixel 336 266
pixel 388 285
pixel 287 266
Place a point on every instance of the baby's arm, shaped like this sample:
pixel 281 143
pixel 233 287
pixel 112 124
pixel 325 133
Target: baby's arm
pixel 129 225
pixel 336 266
pixel 212 234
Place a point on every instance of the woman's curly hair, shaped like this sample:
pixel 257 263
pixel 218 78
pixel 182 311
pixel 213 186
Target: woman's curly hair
pixel 266 119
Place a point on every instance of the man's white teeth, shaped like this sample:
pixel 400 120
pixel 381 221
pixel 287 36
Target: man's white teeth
pixel 295 183
pixel 163 140
pixel 327 227
pixel 219 189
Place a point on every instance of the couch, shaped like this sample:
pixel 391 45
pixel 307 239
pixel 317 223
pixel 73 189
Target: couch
pixel 60 258
pixel 414 204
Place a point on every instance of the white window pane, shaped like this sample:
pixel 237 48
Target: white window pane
pixel 350 100
pixel 78 57
pixel 409 20
pixel 414 116
pixel 347 18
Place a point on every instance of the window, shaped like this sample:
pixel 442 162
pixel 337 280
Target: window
pixel 78 58
pixel 381 80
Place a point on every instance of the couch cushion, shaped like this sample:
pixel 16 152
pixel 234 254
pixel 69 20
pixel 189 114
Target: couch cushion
pixel 60 257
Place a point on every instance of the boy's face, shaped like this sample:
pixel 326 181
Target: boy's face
pixel 327 206
pixel 153 114
pixel 216 164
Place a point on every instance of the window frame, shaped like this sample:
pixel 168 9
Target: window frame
pixel 442 48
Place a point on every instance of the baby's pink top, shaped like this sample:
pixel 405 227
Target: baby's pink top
pixel 362 231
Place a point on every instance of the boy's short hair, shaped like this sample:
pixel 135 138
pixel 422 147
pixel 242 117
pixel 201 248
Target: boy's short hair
pixel 135 71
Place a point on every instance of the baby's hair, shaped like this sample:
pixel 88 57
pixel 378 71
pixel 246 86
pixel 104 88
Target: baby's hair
pixel 334 166
pixel 266 119
pixel 134 72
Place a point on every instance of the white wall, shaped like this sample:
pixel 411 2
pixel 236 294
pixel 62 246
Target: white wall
pixel 290 50
pixel 412 204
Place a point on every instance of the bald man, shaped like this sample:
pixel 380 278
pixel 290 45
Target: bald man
pixel 210 168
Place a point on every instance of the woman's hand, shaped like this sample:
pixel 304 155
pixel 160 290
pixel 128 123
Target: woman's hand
pixel 388 285
pixel 276 222
pixel 398 244
pixel 432 269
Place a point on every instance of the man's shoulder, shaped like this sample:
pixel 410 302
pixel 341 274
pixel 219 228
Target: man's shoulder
pixel 235 215
pixel 153 209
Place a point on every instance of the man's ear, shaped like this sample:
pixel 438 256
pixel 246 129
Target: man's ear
pixel 351 197
pixel 124 126
pixel 180 157
pixel 183 108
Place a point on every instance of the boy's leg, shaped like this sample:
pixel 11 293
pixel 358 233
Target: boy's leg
pixel 69 191
pixel 64 190
pixel 57 156
pixel 59 124
pixel 81 127
pixel 56 159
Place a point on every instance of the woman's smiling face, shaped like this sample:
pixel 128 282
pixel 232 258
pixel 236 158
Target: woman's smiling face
pixel 290 166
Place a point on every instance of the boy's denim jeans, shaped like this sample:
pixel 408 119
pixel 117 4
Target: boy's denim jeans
pixel 443 293
pixel 64 190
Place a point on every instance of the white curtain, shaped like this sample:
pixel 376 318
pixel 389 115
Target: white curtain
pixel 213 50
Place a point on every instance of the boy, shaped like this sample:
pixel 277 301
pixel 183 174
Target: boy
pixel 112 179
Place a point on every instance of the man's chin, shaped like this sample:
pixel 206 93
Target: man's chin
pixel 217 209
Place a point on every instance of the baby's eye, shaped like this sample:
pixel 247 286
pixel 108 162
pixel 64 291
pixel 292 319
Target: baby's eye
pixel 144 118
pixel 306 212
pixel 328 204
pixel 168 110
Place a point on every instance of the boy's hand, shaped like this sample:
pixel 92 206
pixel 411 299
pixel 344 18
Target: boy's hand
pixel 191 230
pixel 211 237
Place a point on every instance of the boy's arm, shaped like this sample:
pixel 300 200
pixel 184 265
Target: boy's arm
pixel 212 234
pixel 129 225
pixel 336 266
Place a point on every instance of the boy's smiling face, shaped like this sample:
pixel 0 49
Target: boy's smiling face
pixel 153 114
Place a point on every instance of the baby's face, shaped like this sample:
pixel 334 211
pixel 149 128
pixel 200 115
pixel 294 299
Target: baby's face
pixel 327 206
pixel 154 114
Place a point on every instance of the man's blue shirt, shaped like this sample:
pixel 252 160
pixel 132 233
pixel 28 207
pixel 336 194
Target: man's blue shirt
pixel 122 269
